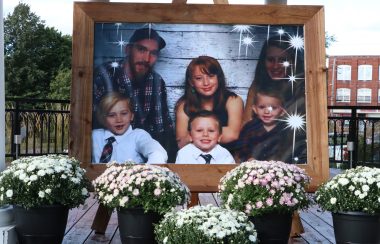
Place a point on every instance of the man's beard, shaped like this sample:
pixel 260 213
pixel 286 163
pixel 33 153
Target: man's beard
pixel 139 77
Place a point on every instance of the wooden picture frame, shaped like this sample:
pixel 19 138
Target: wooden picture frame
pixel 200 178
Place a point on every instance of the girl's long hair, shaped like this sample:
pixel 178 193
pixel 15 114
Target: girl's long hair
pixel 191 98
pixel 282 42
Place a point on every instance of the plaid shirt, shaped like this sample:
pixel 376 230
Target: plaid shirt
pixel 149 99
pixel 255 142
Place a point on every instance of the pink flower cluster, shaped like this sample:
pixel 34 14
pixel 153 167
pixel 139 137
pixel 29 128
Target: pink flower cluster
pixel 264 184
pixel 119 184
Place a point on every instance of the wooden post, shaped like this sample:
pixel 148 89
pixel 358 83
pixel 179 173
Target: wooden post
pixel 284 2
pixel 2 91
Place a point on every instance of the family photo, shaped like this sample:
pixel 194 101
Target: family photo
pixel 198 93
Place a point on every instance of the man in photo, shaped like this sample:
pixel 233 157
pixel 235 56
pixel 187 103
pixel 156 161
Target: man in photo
pixel 135 77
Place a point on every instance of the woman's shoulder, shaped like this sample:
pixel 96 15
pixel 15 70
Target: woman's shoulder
pixel 232 97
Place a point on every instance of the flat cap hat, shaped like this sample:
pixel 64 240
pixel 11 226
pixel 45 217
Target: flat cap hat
pixel 147 33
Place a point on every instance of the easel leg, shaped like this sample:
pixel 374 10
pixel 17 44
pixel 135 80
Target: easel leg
pixel 102 217
pixel 297 227
pixel 194 199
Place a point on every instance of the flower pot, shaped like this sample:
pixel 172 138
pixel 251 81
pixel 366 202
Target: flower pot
pixel 136 226
pixel 356 227
pixel 273 227
pixel 45 224
pixel 6 215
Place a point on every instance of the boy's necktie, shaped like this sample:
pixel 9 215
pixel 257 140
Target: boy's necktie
pixel 107 150
pixel 207 157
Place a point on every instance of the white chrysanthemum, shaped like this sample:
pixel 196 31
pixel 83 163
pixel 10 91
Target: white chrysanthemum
pixel 333 200
pixel 33 177
pixel 9 193
pixel 41 194
pixel 343 181
pixel 365 188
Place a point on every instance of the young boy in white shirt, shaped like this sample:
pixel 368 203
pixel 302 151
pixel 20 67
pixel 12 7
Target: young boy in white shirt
pixel 205 132
pixel 118 141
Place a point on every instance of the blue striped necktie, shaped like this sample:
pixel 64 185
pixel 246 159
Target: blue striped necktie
pixel 107 150
pixel 207 158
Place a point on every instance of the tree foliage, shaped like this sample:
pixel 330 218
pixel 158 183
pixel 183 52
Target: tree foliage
pixel 330 39
pixel 34 54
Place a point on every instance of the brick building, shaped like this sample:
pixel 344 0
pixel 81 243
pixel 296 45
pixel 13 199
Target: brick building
pixel 354 81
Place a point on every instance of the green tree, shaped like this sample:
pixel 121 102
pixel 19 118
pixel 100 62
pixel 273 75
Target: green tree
pixel 34 54
pixel 329 39
pixel 61 85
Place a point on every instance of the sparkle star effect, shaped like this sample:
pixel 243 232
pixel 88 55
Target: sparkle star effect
pixel 295 122
pixel 280 32
pixel 248 41
pixel 241 29
pixel 121 43
pixel 297 43
pixel 150 26
pixel 117 27
pixel 293 79
pixel 114 65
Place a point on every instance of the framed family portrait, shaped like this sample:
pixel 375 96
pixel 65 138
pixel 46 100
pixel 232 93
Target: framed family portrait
pixel 108 42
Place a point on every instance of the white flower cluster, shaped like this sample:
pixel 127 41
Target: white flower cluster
pixel 272 184
pixel 41 177
pixel 212 221
pixel 132 185
pixel 354 190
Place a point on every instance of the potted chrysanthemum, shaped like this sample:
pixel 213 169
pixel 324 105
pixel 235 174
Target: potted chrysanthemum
pixel 42 189
pixel 353 197
pixel 205 224
pixel 268 192
pixel 142 194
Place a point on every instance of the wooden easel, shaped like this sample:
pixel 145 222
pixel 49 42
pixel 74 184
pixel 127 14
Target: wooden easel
pixel 199 178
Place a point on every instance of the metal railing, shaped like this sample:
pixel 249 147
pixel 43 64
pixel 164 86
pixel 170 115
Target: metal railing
pixel 354 138
pixel 36 127
pixel 40 126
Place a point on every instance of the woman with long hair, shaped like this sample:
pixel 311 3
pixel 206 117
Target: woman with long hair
pixel 205 89
pixel 279 62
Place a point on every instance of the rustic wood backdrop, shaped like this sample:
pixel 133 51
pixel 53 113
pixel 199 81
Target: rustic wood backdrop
pixel 187 41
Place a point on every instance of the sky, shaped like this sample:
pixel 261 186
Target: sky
pixel 355 24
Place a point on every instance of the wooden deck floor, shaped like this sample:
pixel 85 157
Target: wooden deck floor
pixel 317 225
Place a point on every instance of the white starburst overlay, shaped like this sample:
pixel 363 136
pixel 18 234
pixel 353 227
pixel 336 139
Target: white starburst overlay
pixel 241 29
pixel 248 41
pixel 280 32
pixel 114 65
pixel 297 43
pixel 293 79
pixel 117 27
pixel 295 122
pixel 121 43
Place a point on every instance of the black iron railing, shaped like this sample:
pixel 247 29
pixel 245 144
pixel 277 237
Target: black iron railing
pixel 36 127
pixel 40 126
pixel 354 136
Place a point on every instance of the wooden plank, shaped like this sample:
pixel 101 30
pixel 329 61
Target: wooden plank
pixel 82 228
pixel 116 238
pixel 312 236
pixel 207 198
pixel 323 215
pixel 108 236
pixel 76 214
pixel 198 13
pixel 316 227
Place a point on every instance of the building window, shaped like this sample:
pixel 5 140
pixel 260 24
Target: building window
pixel 364 95
pixel 365 72
pixel 344 72
pixel 378 96
pixel 343 95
